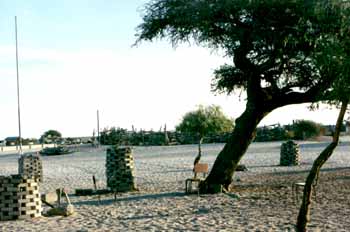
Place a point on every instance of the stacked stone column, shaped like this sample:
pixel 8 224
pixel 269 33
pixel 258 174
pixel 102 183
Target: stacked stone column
pixel 31 165
pixel 120 169
pixel 290 154
pixel 19 197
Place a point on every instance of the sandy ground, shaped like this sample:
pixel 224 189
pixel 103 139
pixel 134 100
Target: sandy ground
pixel 265 201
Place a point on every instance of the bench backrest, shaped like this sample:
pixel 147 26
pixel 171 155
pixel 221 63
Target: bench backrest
pixel 201 168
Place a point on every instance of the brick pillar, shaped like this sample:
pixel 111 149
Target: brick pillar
pixel 120 169
pixel 19 197
pixel 31 165
pixel 290 155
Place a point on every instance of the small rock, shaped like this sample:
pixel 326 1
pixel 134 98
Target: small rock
pixel 50 197
pixel 69 210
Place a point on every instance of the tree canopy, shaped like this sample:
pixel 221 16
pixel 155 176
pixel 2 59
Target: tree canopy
pixel 51 135
pixel 275 45
pixel 205 120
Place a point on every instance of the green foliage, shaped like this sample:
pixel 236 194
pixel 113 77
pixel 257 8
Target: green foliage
pixel 157 138
pixel 29 141
pixel 300 130
pixel 276 133
pixel 55 151
pixel 279 44
pixel 50 136
pixel 113 136
pixel 205 120
pixel 304 129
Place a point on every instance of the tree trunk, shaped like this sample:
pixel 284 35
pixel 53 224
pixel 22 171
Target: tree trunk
pixel 228 159
pixel 199 151
pixel 304 212
pixel 199 156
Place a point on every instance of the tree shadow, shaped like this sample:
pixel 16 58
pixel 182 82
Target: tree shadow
pixel 280 166
pixel 282 173
pixel 323 144
pixel 262 166
pixel 175 171
pixel 96 202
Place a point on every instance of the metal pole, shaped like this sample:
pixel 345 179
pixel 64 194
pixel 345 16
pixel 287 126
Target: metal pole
pixel 98 129
pixel 18 102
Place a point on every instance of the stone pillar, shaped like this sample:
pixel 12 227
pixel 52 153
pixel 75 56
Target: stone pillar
pixel 19 197
pixel 290 155
pixel 120 169
pixel 31 165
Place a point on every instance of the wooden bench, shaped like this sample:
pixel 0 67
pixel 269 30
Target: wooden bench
pixel 199 168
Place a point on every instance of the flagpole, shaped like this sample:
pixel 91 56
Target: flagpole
pixel 18 102
pixel 98 128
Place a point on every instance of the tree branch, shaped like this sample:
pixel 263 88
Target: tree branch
pixel 314 94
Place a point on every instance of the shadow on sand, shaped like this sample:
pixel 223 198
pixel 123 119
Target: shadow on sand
pixel 307 171
pixel 323 144
pixel 95 201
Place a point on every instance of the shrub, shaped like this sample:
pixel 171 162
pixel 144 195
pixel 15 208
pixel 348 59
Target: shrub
pixel 304 129
pixel 55 151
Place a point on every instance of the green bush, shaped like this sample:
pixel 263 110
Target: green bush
pixel 55 151
pixel 276 133
pixel 304 129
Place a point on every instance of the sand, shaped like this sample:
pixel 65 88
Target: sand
pixel 261 199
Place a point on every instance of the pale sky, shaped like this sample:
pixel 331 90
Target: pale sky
pixel 76 56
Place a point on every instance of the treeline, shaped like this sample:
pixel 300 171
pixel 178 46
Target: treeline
pixel 155 138
pixel 298 130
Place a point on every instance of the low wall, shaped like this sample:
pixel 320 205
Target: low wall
pixel 13 149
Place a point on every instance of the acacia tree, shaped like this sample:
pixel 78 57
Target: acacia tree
pixel 203 121
pixel 272 44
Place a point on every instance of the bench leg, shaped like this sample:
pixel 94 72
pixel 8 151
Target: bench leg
pixel 295 200
pixel 188 187
pixel 295 193
pixel 296 189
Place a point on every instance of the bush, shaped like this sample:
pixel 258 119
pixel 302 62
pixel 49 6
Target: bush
pixel 55 151
pixel 304 129
pixel 268 133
